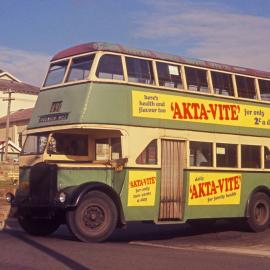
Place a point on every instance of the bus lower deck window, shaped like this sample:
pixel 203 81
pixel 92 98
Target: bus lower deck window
pixel 226 155
pixel 201 154
pixel 250 156
pixel 149 154
pixel 108 148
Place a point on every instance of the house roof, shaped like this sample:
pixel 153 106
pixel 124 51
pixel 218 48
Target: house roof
pixel 18 116
pixel 13 146
pixel 102 46
pixel 18 87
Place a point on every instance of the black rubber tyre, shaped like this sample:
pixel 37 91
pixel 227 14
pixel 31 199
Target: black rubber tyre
pixel 38 227
pixel 259 212
pixel 94 219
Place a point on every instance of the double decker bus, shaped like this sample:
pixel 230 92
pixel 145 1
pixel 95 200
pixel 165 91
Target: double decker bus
pixel 121 134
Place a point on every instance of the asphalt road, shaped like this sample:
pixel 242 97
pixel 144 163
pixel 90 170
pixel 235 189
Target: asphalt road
pixel 140 246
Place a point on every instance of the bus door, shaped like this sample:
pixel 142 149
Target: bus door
pixel 172 167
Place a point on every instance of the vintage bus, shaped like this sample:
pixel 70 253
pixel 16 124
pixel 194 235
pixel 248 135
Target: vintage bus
pixel 121 134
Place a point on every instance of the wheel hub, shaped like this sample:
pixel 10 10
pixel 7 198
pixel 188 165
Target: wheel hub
pixel 93 217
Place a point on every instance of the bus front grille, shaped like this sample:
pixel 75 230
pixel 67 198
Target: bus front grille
pixel 43 184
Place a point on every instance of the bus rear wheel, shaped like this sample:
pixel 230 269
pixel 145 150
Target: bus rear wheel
pixel 94 219
pixel 38 227
pixel 259 212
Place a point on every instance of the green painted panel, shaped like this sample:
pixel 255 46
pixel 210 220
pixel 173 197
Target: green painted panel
pixel 112 104
pixel 249 181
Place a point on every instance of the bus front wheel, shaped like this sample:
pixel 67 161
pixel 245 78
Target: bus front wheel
pixel 94 219
pixel 259 212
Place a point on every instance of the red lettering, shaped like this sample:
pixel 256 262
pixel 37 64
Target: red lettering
pixel 203 114
pixel 187 114
pixel 176 111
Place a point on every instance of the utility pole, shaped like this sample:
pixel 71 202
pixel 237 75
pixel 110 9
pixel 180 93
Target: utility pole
pixel 9 99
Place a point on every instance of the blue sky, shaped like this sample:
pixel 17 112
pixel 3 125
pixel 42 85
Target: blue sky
pixel 232 31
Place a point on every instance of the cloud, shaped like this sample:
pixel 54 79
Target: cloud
pixel 208 31
pixel 27 66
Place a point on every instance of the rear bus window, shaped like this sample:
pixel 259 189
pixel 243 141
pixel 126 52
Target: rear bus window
pixel 56 73
pixel 222 83
pixel 80 68
pixel 139 70
pixel 246 87
pixel 110 67
pixel 201 154
pixel 169 75
pixel 196 79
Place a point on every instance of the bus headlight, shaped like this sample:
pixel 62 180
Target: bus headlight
pixel 62 197
pixel 9 197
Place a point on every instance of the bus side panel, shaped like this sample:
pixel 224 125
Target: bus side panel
pixel 140 194
pixel 219 194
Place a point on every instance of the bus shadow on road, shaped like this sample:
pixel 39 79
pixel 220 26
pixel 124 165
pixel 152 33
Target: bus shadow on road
pixel 136 231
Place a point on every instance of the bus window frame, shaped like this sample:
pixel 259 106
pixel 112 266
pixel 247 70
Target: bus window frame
pixel 98 54
pixel 64 82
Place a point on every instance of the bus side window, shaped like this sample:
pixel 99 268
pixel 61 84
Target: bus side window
pixel 169 75
pixel 226 155
pixel 266 157
pixel 149 154
pixel 102 149
pixel 264 89
pixel 196 79
pixel 250 156
pixel 110 67
pixel 116 148
pixel 201 154
pixel 139 70
pixel 246 87
pixel 222 83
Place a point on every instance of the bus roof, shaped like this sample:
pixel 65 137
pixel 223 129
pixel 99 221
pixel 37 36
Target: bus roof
pixel 116 48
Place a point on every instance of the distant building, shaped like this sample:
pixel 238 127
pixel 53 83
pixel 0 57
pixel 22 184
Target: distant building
pixel 18 124
pixel 25 94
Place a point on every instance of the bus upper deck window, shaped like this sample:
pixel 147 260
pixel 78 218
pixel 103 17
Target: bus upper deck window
pixel 169 75
pixel 264 89
pixel 246 87
pixel 196 79
pixel 80 68
pixel 110 67
pixel 139 70
pixel 222 83
pixel 56 73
